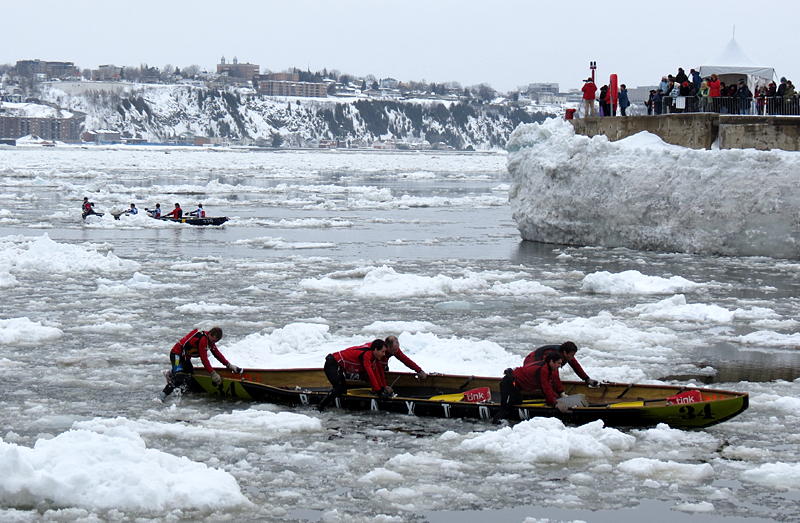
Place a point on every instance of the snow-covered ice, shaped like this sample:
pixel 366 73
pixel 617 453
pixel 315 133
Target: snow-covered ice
pixel 642 193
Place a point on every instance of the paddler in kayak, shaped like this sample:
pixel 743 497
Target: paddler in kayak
pixel 393 349
pixel 88 207
pixel 541 376
pixel 197 213
pixel 356 360
pixel 154 213
pixel 193 345
pixel 176 213
pixel 567 351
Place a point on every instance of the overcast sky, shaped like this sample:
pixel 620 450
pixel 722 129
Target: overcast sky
pixel 506 43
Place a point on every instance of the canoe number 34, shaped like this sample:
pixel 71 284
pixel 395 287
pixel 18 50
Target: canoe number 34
pixel 689 412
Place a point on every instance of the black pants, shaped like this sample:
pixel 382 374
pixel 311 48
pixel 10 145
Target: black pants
pixel 180 374
pixel 334 374
pixel 509 395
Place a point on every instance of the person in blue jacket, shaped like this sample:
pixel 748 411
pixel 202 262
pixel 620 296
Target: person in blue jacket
pixel 622 98
pixel 696 80
pixel 657 102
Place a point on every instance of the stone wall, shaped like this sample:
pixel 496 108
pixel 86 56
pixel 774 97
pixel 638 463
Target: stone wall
pixel 694 130
pixel 759 132
pixel 700 130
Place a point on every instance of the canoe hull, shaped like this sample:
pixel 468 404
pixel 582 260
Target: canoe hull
pixel 216 220
pixel 637 405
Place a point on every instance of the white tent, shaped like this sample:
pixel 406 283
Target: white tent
pixel 733 64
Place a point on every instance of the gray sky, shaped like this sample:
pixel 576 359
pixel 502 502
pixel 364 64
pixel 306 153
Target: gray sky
pixel 506 43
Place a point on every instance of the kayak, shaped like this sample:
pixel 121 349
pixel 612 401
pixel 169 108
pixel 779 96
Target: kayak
pixel 457 396
pixel 217 220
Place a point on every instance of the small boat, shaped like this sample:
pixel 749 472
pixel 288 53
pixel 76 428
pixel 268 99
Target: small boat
pixel 455 396
pixel 217 220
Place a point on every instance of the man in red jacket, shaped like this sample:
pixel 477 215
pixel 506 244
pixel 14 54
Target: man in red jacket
pixel 567 351
pixel 196 344
pixel 176 213
pixel 589 88
pixel 534 377
pixel 356 360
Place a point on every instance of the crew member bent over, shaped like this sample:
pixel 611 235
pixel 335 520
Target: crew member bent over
pixel 393 349
pixel 567 351
pixel 193 345
pixel 356 360
pixel 540 376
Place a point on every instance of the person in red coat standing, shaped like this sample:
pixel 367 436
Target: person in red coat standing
pixel 589 89
pixel 534 377
pixel 356 360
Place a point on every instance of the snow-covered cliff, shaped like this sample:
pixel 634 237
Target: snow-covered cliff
pixel 162 112
pixel 645 194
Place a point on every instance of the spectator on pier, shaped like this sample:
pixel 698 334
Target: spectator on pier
pixel 782 87
pixel 790 99
pixel 742 97
pixel 605 108
pixel 714 92
pixel 658 101
pixel 589 89
pixel 696 80
pixel 681 76
pixel 761 98
pixel 772 103
pixel 702 96
pixel 623 99
pixel 664 85
pixel 691 98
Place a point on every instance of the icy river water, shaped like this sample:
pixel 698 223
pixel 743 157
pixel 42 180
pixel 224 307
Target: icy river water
pixel 324 250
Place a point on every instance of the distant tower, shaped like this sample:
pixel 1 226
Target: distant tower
pixel 222 60
pixel 235 60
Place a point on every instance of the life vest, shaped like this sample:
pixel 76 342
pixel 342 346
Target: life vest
pixel 347 364
pixel 87 207
pixel 190 344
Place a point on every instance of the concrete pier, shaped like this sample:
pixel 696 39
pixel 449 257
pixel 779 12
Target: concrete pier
pixel 700 130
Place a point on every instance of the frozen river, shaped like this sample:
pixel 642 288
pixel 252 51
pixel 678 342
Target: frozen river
pixel 325 250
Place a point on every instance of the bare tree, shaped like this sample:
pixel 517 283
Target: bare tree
pixel 191 71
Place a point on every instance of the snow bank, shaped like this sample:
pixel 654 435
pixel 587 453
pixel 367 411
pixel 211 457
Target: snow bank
pixel 43 255
pixel 242 427
pixel 373 282
pixel 16 331
pixel 676 309
pixel 80 468
pixel 776 475
pixel 644 194
pixel 547 440
pixel 666 470
pixel 634 282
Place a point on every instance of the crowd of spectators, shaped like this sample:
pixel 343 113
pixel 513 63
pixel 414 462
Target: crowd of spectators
pixel 691 93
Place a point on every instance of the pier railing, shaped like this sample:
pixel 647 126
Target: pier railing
pixel 761 105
